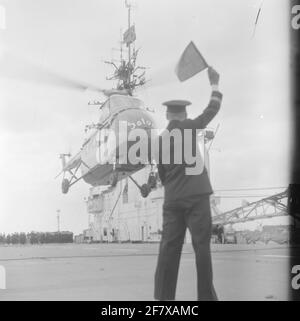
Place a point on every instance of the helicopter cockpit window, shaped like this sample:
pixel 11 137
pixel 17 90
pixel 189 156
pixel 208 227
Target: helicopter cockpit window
pixel 116 103
pixel 121 102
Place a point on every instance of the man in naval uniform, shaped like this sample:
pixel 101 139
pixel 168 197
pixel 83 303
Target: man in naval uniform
pixel 186 205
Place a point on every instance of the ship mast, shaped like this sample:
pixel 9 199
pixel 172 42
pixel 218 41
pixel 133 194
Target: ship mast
pixel 128 6
pixel 128 75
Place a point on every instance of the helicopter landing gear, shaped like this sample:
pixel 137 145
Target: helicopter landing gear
pixel 152 180
pixel 146 188
pixel 65 185
pixel 114 179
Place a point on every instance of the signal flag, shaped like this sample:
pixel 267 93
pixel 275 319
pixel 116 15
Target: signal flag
pixel 129 36
pixel 190 63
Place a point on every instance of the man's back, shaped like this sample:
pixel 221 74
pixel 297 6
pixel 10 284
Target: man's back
pixel 178 184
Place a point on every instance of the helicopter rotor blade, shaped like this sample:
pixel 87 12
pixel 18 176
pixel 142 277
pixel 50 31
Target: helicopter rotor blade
pixel 160 76
pixel 14 67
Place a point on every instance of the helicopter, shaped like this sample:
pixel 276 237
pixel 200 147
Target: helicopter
pixel 99 156
pixel 98 160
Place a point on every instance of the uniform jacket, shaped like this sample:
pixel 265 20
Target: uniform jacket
pixel 178 185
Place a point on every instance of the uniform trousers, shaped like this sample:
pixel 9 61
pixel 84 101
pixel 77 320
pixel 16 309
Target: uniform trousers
pixel 179 215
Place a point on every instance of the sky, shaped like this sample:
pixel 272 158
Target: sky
pixel 73 38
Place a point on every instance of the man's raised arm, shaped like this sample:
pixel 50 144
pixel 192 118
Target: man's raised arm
pixel 213 107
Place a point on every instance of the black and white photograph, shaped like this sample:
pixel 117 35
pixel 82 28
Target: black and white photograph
pixel 148 151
